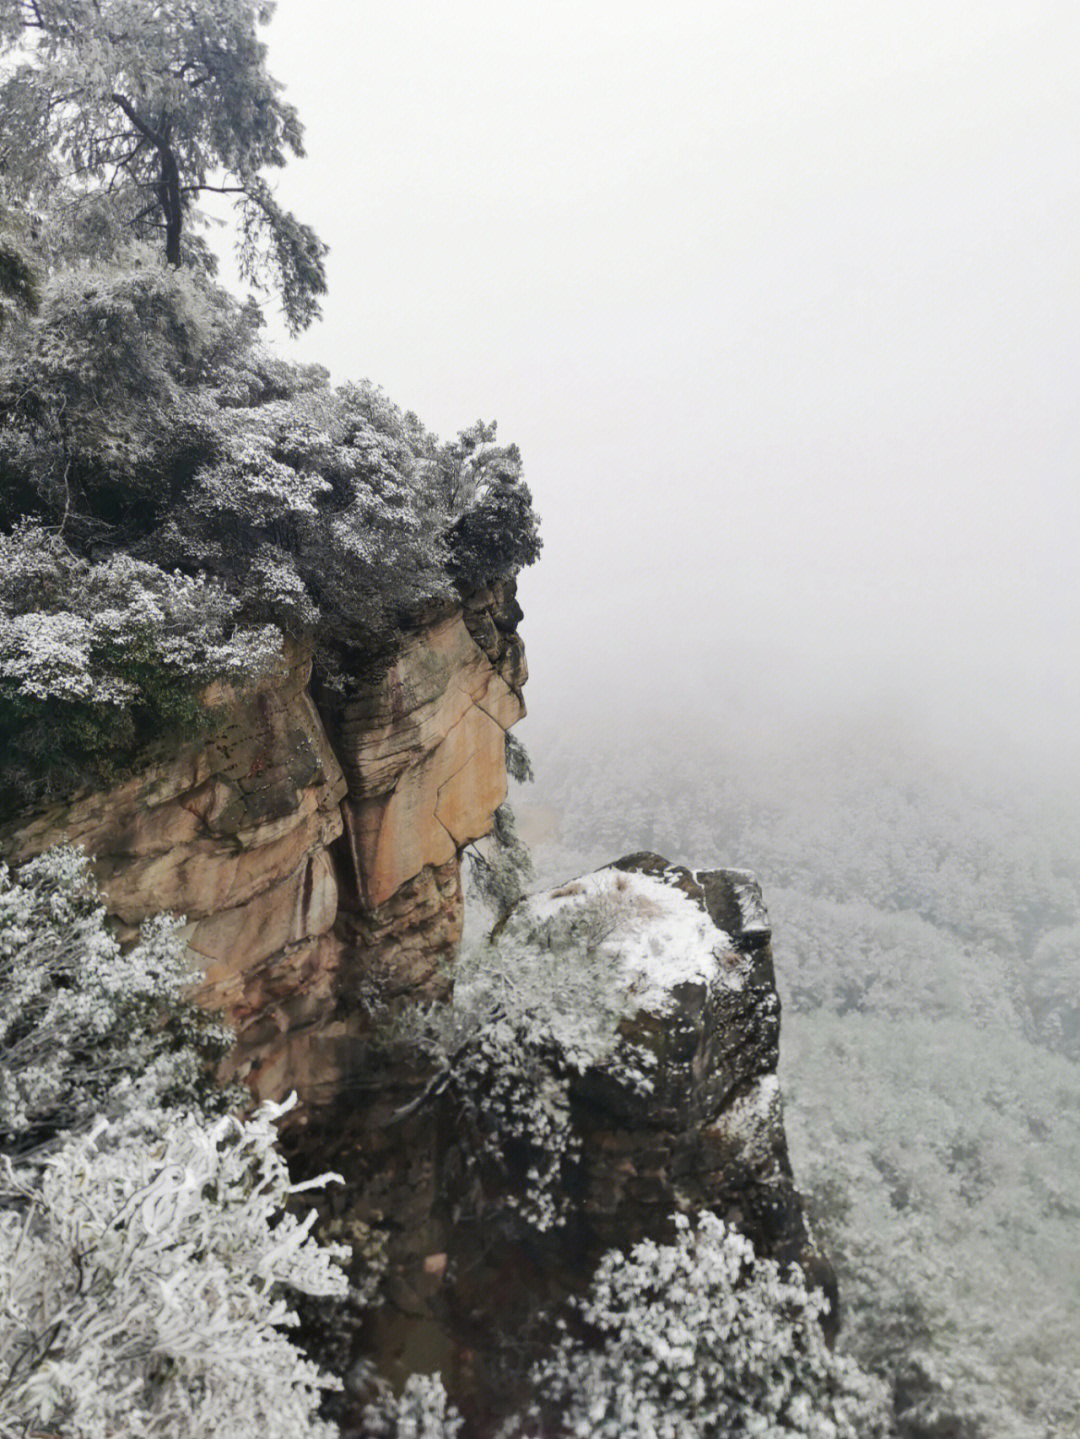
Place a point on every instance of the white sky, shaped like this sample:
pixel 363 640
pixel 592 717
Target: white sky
pixel 778 297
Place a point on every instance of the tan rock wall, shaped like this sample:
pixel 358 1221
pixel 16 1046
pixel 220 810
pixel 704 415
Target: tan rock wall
pixel 314 854
pixel 423 749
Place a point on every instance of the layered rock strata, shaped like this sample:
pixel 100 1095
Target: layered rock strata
pixel 313 843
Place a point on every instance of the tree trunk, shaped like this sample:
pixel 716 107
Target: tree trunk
pixel 171 205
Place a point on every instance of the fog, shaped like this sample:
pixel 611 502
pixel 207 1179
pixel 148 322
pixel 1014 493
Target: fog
pixel 779 300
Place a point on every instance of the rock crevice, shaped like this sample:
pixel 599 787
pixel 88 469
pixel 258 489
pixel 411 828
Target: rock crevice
pixel 313 847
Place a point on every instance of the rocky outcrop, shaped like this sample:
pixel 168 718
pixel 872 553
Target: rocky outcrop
pixel 683 1113
pixel 708 1132
pixel 312 842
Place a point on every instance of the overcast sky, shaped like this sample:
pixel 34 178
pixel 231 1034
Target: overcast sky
pixel 778 297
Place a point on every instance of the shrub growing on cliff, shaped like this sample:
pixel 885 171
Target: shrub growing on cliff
pixel 84 1027
pixel 529 1012
pixel 96 660
pixel 701 1339
pixel 499 872
pixel 143 1284
pixel 145 430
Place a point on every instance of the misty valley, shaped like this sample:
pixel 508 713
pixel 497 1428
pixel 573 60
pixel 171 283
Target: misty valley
pixel 925 928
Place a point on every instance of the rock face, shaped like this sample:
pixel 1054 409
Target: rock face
pixel 709 1131
pixel 314 848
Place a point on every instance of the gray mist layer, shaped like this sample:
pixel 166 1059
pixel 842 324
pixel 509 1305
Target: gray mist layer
pixel 779 300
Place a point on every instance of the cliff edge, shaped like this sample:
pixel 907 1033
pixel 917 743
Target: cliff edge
pixel 608 1064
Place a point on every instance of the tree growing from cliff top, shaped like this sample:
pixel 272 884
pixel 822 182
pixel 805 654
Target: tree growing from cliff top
pixel 135 109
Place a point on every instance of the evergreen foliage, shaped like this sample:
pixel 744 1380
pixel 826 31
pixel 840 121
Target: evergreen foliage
pixel 143 1281
pixel 18 276
pixel 499 872
pixel 421 1411
pixel 145 437
pixel 149 106
pixel 531 1010
pixel 98 660
pixel 147 1246
pixel 142 421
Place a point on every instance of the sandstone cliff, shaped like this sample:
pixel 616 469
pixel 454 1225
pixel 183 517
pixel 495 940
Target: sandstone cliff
pixel 314 845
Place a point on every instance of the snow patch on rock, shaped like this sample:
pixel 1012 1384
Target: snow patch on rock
pixel 658 935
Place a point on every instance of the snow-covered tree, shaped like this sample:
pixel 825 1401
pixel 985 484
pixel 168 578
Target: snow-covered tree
pixel 18 275
pixel 141 419
pixel 147 1246
pixel 98 659
pixel 530 1011
pixel 146 106
pixel 700 1339
pixel 85 1028
pixel 144 1285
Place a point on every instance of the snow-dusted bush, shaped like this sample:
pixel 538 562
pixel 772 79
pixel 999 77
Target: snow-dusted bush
pixel 421 1411
pixel 499 871
pixel 140 414
pixel 495 529
pixel 530 1011
pixel 85 1028
pixel 700 1339
pixel 98 659
pixel 174 496
pixel 333 512
pixel 144 1278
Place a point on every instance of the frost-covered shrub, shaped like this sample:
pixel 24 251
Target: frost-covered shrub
pixel 104 393
pixel 140 413
pixel 421 1411
pixel 142 421
pixel 518 764
pixel 19 282
pixel 144 1278
pixel 98 659
pixel 498 873
pixel 529 1012
pixel 700 1339
pixel 495 532
pixel 332 511
pixel 85 1028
